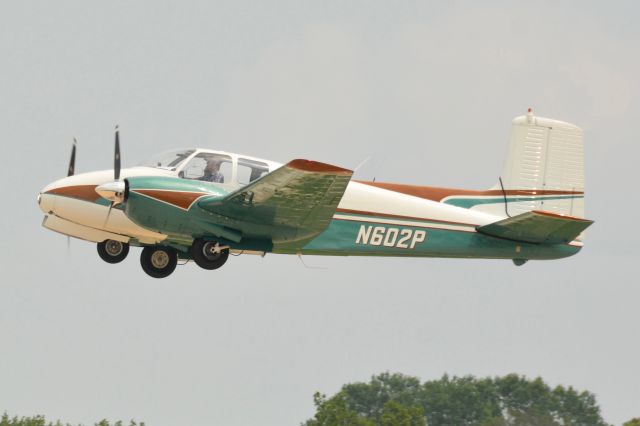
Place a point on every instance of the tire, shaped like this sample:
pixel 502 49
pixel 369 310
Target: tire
pixel 158 261
pixel 112 251
pixel 203 254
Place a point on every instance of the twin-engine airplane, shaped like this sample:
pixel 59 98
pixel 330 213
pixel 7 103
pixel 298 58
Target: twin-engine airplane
pixel 202 205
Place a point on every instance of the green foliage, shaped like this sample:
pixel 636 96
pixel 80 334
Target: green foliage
pixel 334 412
pixel 633 422
pixel 512 400
pixel 5 420
pixel 396 414
pixel 369 399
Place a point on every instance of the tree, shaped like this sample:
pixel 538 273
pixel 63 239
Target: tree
pixel 460 401
pixel 5 420
pixel 396 414
pixel 513 400
pixel 633 422
pixel 334 412
pixel 369 399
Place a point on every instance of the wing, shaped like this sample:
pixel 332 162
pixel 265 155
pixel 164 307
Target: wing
pixel 537 227
pixel 294 202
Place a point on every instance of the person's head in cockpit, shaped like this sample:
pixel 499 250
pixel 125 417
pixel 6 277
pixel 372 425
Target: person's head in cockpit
pixel 212 171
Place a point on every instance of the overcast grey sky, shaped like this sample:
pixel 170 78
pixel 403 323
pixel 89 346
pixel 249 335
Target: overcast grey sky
pixel 427 90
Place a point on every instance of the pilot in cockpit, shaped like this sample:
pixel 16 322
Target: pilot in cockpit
pixel 212 171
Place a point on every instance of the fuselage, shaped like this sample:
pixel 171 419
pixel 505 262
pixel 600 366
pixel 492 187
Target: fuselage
pixel 371 219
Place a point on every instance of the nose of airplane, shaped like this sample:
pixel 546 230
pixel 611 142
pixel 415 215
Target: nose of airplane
pixel 46 200
pixel 47 196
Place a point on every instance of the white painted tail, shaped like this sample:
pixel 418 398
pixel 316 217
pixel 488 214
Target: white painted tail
pixel 545 156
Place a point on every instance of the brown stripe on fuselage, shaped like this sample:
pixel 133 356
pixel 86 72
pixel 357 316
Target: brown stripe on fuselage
pixel 182 199
pixel 81 192
pixel 438 194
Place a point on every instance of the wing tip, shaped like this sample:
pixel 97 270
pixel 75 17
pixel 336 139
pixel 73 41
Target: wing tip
pixel 317 167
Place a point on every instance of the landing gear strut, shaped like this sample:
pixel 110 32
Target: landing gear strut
pixel 158 261
pixel 112 251
pixel 209 254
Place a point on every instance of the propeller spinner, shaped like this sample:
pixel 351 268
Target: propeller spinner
pixel 113 191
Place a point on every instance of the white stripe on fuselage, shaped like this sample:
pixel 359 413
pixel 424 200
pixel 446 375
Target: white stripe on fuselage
pixel 400 222
pixel 373 200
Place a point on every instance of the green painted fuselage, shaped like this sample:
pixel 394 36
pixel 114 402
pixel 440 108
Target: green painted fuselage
pixel 351 232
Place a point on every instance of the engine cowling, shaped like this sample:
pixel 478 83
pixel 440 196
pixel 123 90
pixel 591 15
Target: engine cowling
pixel 168 205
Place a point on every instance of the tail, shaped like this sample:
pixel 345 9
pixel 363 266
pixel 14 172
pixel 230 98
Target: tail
pixel 544 169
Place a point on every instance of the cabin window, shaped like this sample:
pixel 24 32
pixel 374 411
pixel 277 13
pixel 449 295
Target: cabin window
pixel 209 167
pixel 250 170
pixel 169 159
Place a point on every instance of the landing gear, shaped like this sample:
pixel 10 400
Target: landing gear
pixel 112 251
pixel 158 261
pixel 209 254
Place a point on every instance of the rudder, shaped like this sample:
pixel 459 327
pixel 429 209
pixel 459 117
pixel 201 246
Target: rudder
pixel 545 161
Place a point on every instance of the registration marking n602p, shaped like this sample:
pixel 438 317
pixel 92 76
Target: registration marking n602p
pixel 390 237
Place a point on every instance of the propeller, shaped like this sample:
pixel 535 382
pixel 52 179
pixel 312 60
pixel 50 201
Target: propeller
pixel 72 162
pixel 70 172
pixel 113 191
pixel 116 156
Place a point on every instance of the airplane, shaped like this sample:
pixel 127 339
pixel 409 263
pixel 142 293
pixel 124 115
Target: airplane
pixel 170 207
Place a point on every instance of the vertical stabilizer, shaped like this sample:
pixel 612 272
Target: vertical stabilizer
pixel 544 169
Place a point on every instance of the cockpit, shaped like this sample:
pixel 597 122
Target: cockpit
pixel 219 167
pixel 169 160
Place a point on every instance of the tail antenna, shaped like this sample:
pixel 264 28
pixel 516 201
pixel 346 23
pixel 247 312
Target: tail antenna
pixel 504 195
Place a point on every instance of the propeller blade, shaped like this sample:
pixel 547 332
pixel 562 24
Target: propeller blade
pixel 116 157
pixel 106 219
pixel 72 162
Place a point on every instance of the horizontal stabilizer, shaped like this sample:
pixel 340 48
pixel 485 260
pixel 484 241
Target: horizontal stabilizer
pixel 537 227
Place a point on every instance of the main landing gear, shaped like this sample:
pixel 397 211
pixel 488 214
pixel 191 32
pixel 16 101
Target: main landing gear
pixel 112 251
pixel 158 261
pixel 209 254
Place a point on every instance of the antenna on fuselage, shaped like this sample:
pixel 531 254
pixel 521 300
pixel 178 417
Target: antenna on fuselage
pixel 309 267
pixel 355 169
pixel 504 195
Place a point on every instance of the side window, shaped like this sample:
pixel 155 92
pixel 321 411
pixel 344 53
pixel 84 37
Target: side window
pixel 209 167
pixel 250 170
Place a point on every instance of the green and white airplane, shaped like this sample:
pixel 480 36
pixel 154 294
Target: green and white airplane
pixel 202 205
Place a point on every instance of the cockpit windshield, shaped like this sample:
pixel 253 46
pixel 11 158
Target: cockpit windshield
pixel 169 159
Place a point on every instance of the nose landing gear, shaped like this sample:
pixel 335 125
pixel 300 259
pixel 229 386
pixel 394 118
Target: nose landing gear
pixel 158 261
pixel 112 251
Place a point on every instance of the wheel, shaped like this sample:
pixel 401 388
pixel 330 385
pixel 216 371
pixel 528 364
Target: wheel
pixel 208 254
pixel 112 251
pixel 158 261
